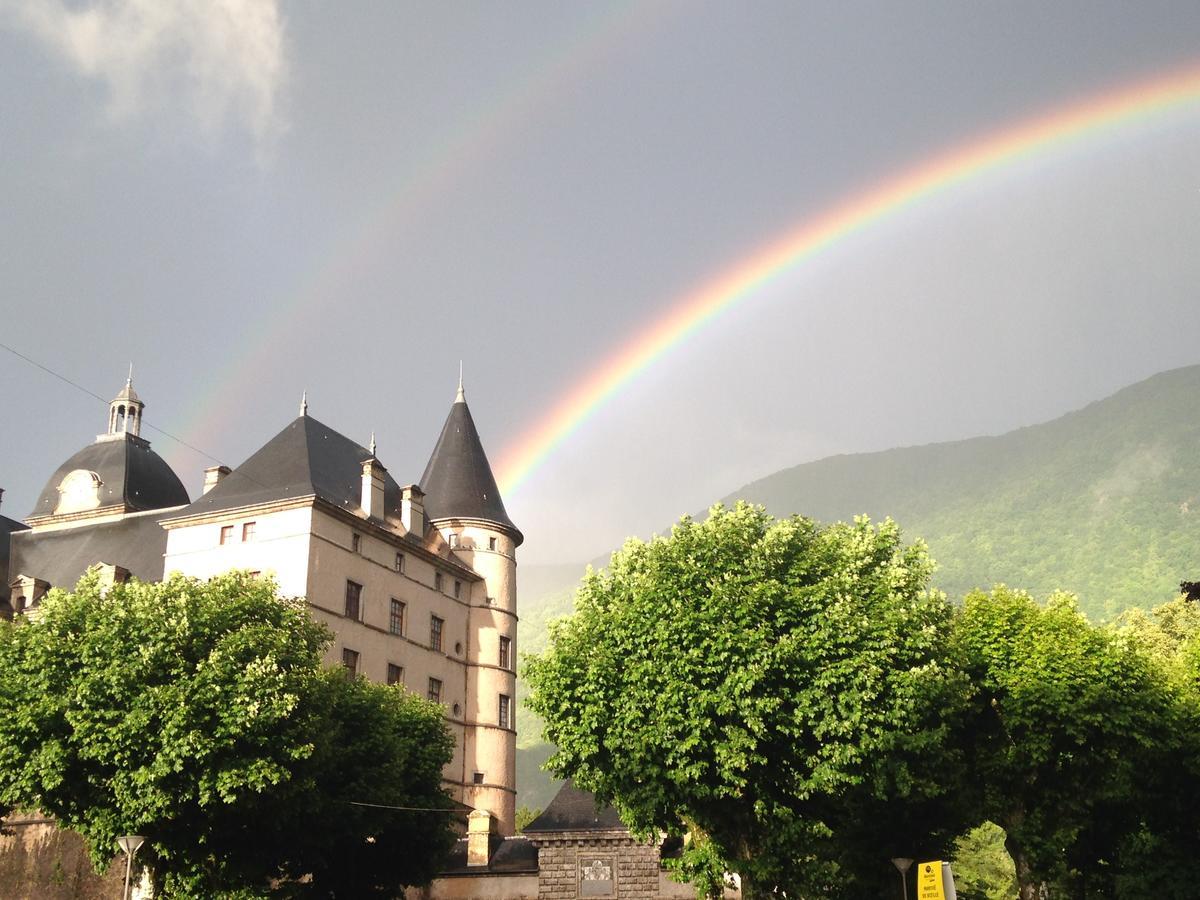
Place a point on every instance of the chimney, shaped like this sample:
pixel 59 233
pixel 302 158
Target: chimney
pixel 213 476
pixel 373 474
pixel 111 574
pixel 1 495
pixel 480 828
pixel 412 509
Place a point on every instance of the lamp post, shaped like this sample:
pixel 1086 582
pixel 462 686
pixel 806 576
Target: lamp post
pixel 129 843
pixel 902 866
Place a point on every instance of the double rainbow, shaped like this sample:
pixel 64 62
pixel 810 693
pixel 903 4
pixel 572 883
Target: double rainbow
pixel 1098 114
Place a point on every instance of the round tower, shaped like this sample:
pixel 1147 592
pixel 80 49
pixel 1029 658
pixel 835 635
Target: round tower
pixel 463 502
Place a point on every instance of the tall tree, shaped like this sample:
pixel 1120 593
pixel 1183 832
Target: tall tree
pixel 1066 716
pixel 198 714
pixel 777 688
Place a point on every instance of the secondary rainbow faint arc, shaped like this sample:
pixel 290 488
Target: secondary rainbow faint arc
pixel 1007 145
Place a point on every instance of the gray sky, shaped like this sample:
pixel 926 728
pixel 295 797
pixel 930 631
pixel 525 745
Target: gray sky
pixel 248 199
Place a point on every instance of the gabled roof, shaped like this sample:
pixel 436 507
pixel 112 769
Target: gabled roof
pixel 307 458
pixel 132 477
pixel 458 481
pixel 574 810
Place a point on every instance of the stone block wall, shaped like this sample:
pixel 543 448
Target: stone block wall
pixel 596 866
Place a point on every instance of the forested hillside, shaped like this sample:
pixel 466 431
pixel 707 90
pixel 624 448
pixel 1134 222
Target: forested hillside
pixel 1104 502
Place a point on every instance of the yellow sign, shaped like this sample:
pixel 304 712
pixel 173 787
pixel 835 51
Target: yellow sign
pixel 929 881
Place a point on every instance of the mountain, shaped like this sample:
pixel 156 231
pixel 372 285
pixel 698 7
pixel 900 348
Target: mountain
pixel 1104 502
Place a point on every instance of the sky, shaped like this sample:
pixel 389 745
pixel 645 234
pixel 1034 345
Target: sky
pixel 248 199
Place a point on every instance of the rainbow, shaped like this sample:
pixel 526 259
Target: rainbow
pixel 780 257
pixel 474 137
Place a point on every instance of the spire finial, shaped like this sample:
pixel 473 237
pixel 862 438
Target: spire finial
pixel 461 397
pixel 304 403
pixel 372 447
pixel 129 380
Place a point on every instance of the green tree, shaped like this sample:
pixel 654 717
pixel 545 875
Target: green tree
pixel 1066 716
pixel 1157 859
pixel 198 714
pixel 775 688
pixel 982 867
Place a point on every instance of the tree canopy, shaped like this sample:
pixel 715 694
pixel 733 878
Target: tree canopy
pixel 775 688
pixel 198 714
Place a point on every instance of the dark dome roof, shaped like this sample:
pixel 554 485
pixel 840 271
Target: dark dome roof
pixel 132 477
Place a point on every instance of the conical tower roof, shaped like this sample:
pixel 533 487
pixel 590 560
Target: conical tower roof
pixel 458 481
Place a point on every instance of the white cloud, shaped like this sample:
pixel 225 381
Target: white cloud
pixel 220 61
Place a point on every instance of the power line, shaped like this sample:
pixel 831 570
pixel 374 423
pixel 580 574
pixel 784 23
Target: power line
pixel 441 809
pixel 80 387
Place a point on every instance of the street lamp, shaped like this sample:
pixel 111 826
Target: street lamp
pixel 902 866
pixel 129 843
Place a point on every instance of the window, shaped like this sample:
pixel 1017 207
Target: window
pixel 457 589
pixel 437 581
pixel 502 715
pixel 435 690
pixel 478 778
pixel 505 652
pixel 491 543
pixel 350 661
pixel 435 632
pixel 399 562
pixel 247 531
pixel 454 540
pixel 353 599
pixel 395 674
pixel 356 543
pixel 226 534
pixel 396 617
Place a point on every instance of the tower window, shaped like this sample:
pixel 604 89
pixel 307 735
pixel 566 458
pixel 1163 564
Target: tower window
pixel 491 543
pixel 435 690
pixel 395 674
pixel 503 711
pixel 457 589
pixel 247 531
pixel 353 600
pixel 477 778
pixel 435 632
pixel 226 534
pixel 396 617
pixel 356 543
pixel 350 661
pixel 505 652
pixel 399 562
pixel 454 540
pixel 437 581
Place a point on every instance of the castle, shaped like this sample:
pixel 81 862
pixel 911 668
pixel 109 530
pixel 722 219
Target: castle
pixel 416 582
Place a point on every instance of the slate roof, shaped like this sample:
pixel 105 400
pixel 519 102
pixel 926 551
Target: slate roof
pixel 574 810
pixel 7 527
pixel 307 458
pixel 458 481
pixel 137 543
pixel 513 855
pixel 132 476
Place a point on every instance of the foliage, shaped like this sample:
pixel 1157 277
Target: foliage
pixel 524 816
pixel 982 867
pixel 1066 716
pixel 775 687
pixel 198 714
